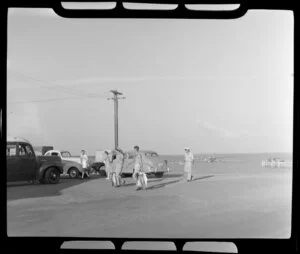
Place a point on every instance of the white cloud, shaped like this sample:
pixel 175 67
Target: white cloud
pixel 24 121
pixel 224 132
pixel 105 80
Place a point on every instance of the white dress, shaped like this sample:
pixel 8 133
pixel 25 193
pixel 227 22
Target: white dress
pixel 108 164
pixel 119 163
pixel 84 161
pixel 188 162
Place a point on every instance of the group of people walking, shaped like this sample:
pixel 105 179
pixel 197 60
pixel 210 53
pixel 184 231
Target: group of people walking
pixel 114 166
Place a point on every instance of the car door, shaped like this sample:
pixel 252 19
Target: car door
pixel 64 161
pixel 12 163
pixel 128 163
pixel 28 163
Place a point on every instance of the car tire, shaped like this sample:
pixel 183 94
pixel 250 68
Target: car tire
pixel 159 174
pixel 52 176
pixel 73 172
pixel 102 171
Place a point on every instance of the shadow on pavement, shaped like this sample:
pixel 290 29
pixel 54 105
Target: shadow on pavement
pixel 201 177
pixel 161 185
pixel 23 190
pixel 168 175
pixel 149 181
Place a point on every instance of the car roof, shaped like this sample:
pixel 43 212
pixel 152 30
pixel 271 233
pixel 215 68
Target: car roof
pixel 131 151
pixel 147 151
pixel 142 151
pixel 17 139
pixel 56 151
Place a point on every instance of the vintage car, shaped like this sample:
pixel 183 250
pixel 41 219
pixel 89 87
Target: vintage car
pixel 42 149
pixel 24 165
pixel 152 163
pixel 71 164
pixel 98 164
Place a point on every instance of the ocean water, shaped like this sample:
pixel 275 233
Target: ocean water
pixel 226 163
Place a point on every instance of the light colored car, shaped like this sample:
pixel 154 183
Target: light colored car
pixel 71 164
pixel 153 164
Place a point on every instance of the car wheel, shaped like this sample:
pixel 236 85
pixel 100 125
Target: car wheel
pixel 159 174
pixel 73 173
pixel 102 172
pixel 52 176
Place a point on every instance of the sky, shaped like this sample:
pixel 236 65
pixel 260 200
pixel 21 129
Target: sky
pixel 216 86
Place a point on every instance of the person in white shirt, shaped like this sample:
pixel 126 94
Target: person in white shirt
pixel 84 163
pixel 188 163
pixel 119 162
pixel 108 165
pixel 138 169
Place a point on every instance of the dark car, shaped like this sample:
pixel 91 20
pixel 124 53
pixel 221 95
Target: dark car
pixel 42 149
pixel 99 168
pixel 24 165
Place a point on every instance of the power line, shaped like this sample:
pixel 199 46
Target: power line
pixel 51 87
pixel 61 99
pixel 54 87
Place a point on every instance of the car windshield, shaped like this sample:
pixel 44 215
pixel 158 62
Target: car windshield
pixel 129 156
pixel 11 150
pixel 65 154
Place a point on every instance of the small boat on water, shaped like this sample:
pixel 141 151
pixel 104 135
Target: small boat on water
pixel 275 163
pixel 211 159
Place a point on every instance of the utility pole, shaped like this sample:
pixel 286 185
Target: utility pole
pixel 115 99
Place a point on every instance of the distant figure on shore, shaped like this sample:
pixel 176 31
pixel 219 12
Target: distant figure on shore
pixel 84 163
pixel 138 168
pixel 119 162
pixel 108 165
pixel 188 163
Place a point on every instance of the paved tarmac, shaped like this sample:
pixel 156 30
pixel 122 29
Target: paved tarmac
pixel 212 206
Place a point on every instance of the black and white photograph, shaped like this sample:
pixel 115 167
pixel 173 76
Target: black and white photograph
pixel 149 128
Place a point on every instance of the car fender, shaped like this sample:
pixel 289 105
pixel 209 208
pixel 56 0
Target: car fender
pixel 71 164
pixel 97 165
pixel 46 165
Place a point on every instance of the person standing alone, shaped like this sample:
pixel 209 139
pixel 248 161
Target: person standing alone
pixel 84 163
pixel 138 168
pixel 188 163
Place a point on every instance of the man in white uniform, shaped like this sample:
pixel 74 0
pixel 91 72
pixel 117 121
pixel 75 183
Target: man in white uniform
pixel 138 167
pixel 188 163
